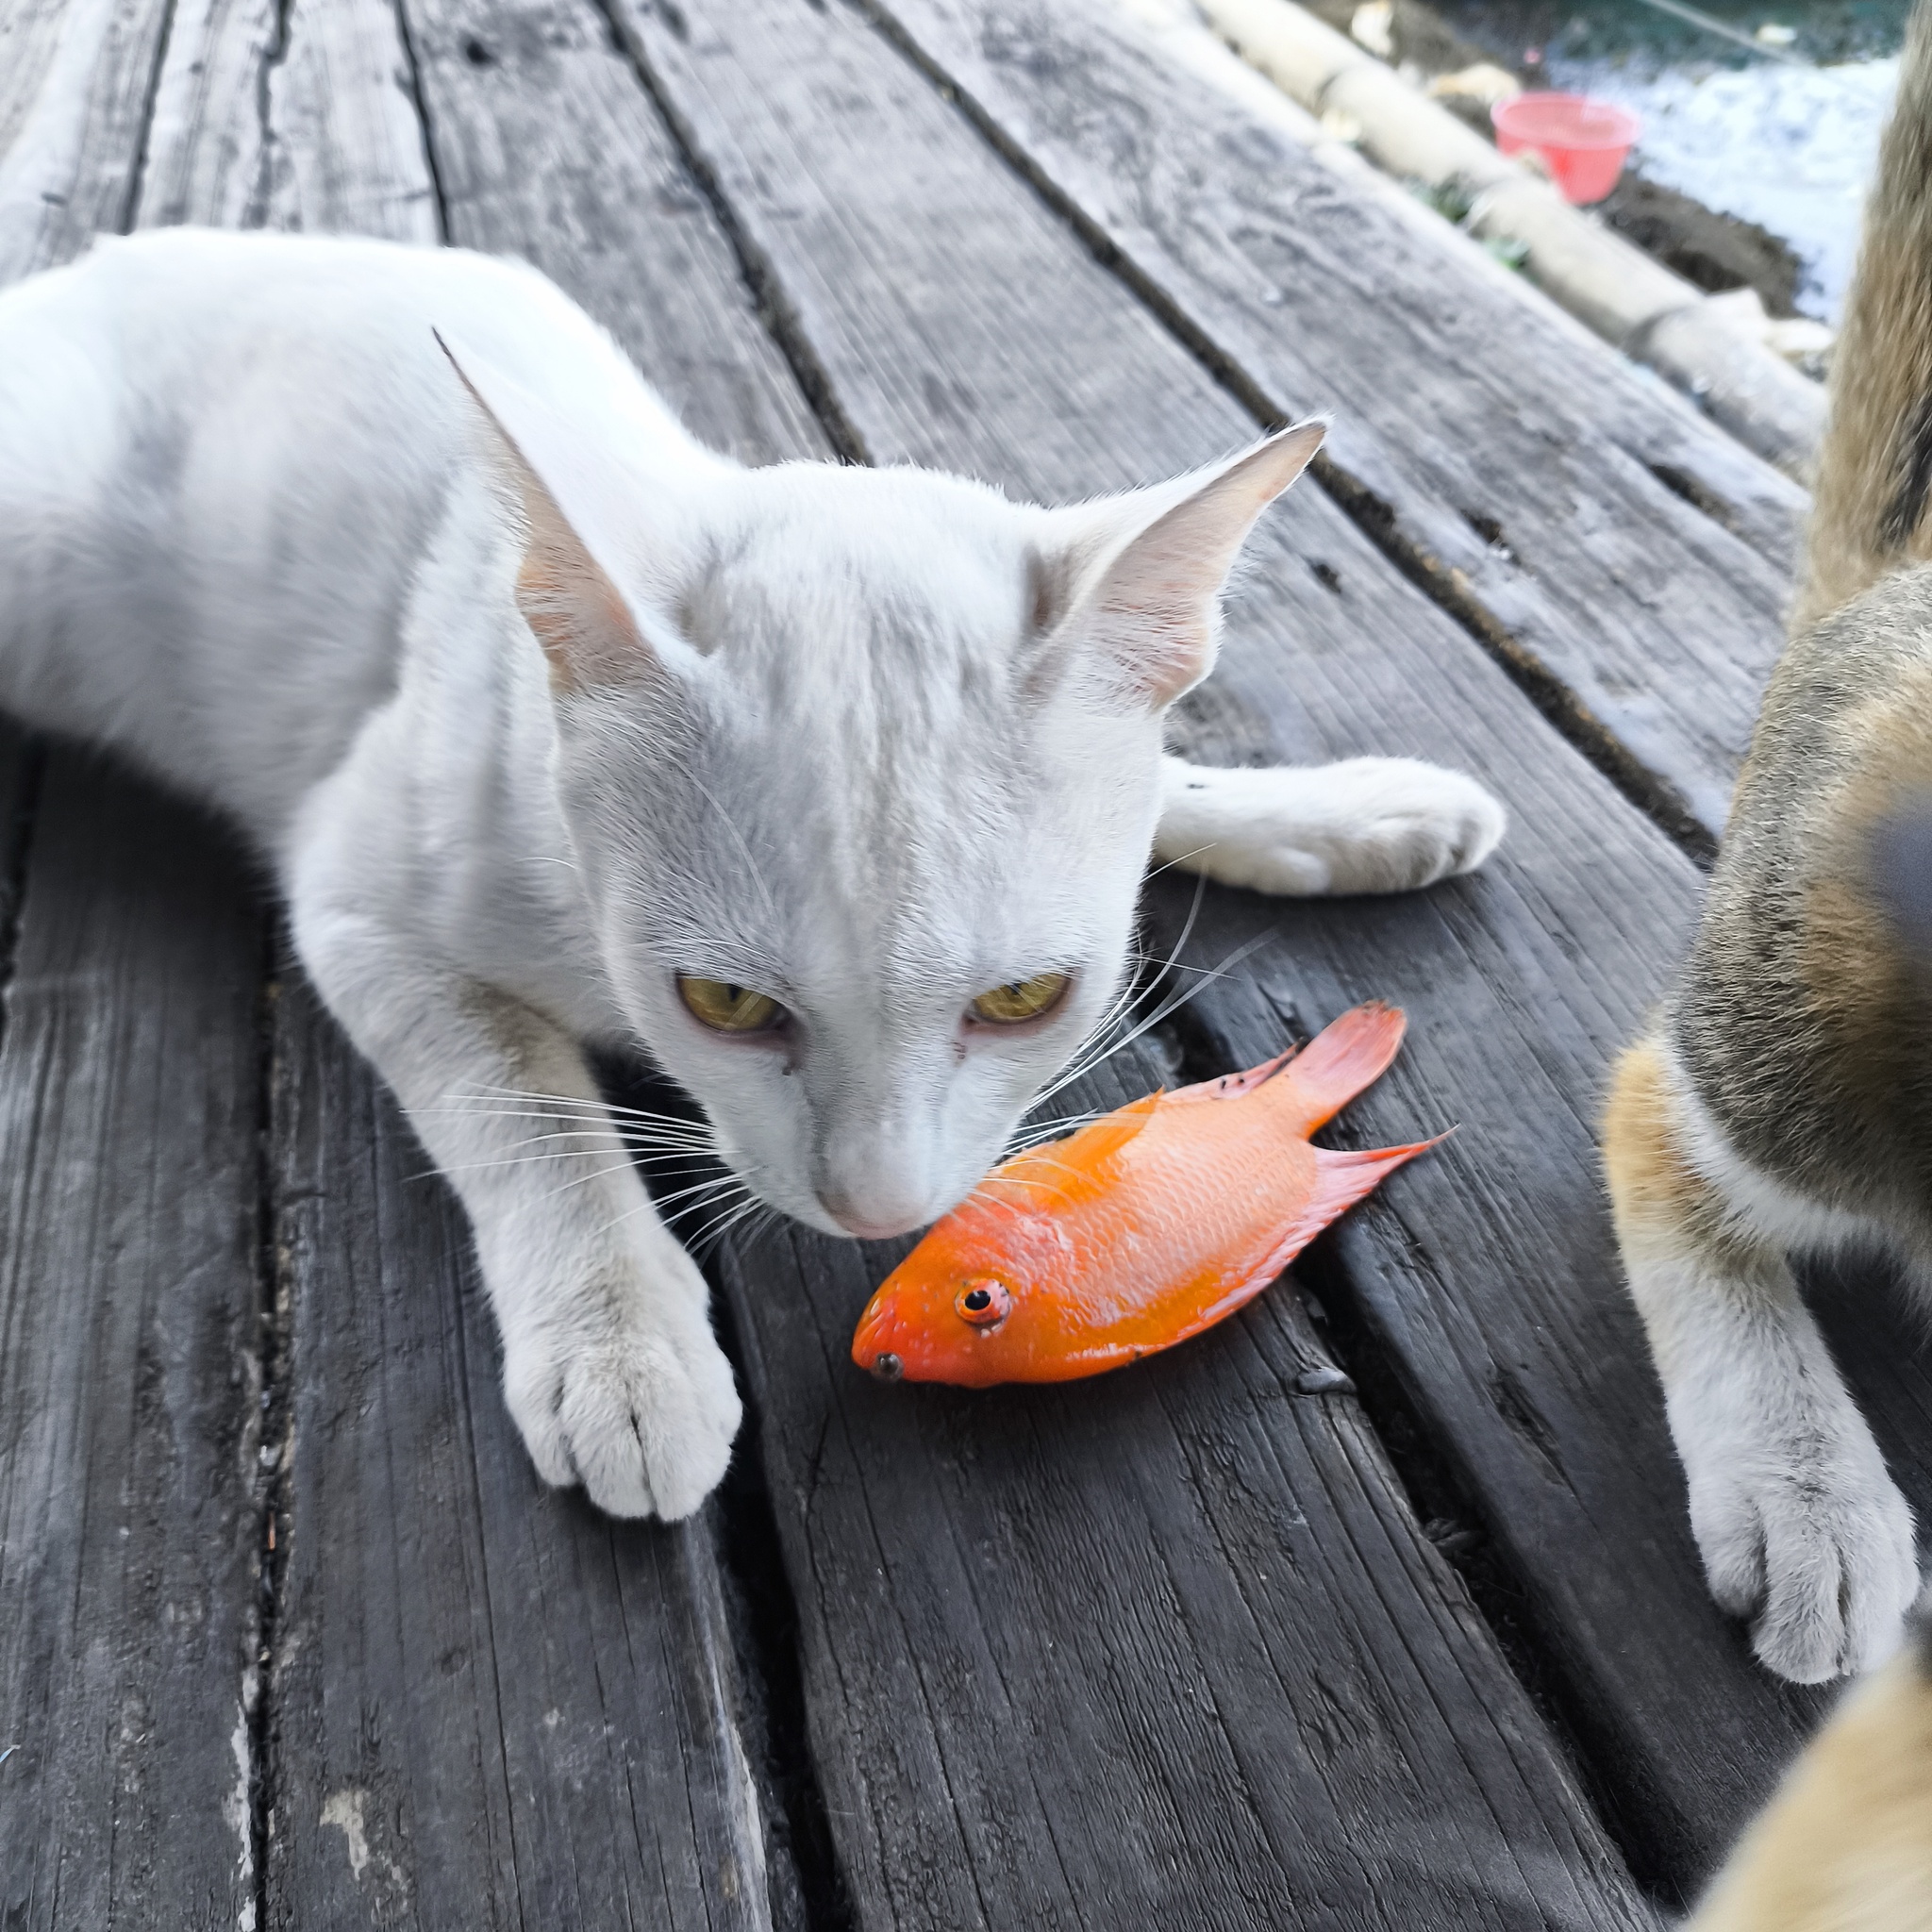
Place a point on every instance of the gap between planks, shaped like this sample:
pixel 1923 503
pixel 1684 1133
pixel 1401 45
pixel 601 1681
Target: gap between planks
pixel 1653 790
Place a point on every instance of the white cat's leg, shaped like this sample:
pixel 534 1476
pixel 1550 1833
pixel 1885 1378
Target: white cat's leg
pixel 1363 825
pixel 1801 1527
pixel 610 1368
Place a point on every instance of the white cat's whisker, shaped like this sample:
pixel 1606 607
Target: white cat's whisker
pixel 717 1184
pixel 557 1121
pixel 714 1232
pixel 1094 1049
pixel 586 1107
pixel 566 1154
pixel 1053 1131
pixel 1181 859
pixel 1167 1009
pixel 653 1204
pixel 725 1214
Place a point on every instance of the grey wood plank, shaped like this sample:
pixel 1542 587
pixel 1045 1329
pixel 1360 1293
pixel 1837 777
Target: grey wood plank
pixel 129 1312
pixel 1515 460
pixel 960 324
pixel 1162 1650
pixel 492 1707
pixel 76 79
pixel 911 1717
pixel 291 114
pixel 129 1369
pixel 486 1706
pixel 19 766
pixel 548 148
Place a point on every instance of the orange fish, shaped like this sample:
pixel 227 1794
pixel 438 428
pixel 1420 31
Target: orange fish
pixel 1142 1229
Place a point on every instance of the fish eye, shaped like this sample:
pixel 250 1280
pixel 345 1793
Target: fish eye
pixel 985 1302
pixel 725 1007
pixel 1020 1000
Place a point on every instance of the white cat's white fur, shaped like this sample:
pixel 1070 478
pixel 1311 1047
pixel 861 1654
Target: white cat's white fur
pixel 537 704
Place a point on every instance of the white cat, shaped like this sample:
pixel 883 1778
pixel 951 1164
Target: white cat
pixel 832 787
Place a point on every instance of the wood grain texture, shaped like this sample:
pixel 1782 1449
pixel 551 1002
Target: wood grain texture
pixel 546 147
pixel 76 78
pixel 487 1706
pixel 1516 459
pixel 962 324
pixel 129 1317
pixel 20 771
pixel 1161 1650
pixel 490 1706
pixel 291 114
pixel 129 1312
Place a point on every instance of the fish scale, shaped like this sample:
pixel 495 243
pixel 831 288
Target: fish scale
pixel 1138 1230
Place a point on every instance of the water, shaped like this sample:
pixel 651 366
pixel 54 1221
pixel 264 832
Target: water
pixel 1791 147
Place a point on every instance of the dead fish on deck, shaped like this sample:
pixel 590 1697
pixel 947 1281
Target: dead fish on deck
pixel 1140 1229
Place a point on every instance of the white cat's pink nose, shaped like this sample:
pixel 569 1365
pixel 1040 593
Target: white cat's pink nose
pixel 871 1221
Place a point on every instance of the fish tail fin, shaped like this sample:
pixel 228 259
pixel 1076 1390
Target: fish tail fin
pixel 1348 1055
pixel 1340 1181
pixel 1875 469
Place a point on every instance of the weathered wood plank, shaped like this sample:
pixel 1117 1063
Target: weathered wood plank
pixel 490 1706
pixel 77 77
pixel 546 148
pixel 1162 1650
pixel 1143 1800
pixel 20 765
pixel 1518 460
pixel 129 1308
pixel 129 1317
pixel 959 323
pixel 294 114
pixel 487 1706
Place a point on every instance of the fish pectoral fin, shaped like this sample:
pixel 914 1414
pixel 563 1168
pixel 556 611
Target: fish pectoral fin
pixel 1340 1181
pixel 1232 1086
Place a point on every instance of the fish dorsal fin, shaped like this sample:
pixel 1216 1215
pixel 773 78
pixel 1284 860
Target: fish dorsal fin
pixel 1232 1086
pixel 1348 1055
pixel 1081 1166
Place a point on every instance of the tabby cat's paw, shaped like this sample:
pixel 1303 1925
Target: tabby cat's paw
pixel 1363 825
pixel 641 1410
pixel 1810 1540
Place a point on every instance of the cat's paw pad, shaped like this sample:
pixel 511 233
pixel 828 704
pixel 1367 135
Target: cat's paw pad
pixel 642 1412
pixel 1813 1543
pixel 1363 825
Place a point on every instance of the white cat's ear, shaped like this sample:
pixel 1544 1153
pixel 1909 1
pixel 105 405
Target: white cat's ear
pixel 568 493
pixel 1135 597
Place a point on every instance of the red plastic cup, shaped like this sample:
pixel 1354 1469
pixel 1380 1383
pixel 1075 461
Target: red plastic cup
pixel 1583 143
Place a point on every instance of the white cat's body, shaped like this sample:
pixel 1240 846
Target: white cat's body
pixel 536 708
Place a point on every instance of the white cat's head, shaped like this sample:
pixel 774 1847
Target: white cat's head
pixel 862 770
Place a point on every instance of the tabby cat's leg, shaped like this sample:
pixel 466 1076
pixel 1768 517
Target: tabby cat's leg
pixel 1801 1528
pixel 1363 825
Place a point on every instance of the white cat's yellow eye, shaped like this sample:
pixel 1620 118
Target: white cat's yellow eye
pixel 727 1008
pixel 1021 999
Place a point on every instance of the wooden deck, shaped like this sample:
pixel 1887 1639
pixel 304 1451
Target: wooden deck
pixel 1375 1606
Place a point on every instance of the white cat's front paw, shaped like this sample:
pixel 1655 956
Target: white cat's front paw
pixel 1363 825
pixel 640 1409
pixel 1806 1534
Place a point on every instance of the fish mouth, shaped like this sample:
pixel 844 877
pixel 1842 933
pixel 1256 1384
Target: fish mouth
pixel 877 1347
